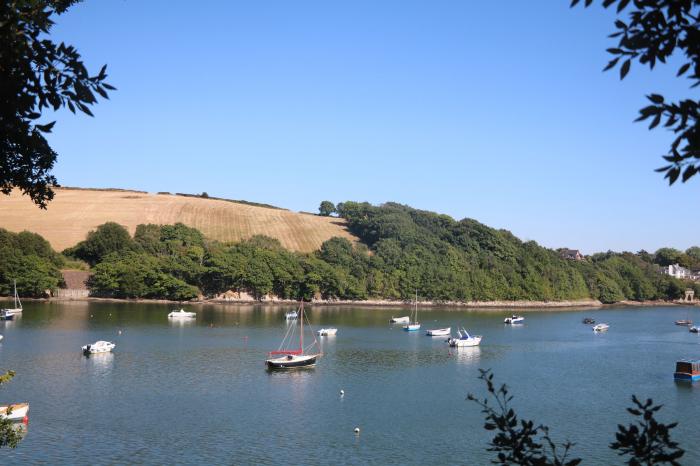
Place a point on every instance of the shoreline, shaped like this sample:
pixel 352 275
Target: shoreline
pixel 453 305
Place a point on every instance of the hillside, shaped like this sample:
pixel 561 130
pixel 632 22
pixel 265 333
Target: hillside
pixel 74 212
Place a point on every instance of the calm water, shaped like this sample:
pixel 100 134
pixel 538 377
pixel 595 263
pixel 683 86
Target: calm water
pixel 199 392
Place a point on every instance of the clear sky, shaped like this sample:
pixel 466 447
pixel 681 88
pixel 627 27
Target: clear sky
pixel 496 111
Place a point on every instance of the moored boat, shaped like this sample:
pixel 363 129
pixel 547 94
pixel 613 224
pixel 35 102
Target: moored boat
pixel 693 329
pixel 687 370
pixel 98 347
pixel 514 319
pixel 588 321
pixel 182 314
pixel 600 327
pixel 17 411
pixel 327 332
pixel 439 332
pixel 684 322
pixel 464 339
pixel 293 358
pixel 291 315
pixel 400 320
pixel 17 309
pixel 414 325
pixel 4 315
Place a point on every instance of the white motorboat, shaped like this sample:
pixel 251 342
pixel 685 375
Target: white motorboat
pixel 327 332
pixel 98 347
pixel 464 339
pixel 291 315
pixel 17 309
pixel 694 329
pixel 18 411
pixel 182 314
pixel 439 332
pixel 400 320
pixel 600 327
pixel 514 319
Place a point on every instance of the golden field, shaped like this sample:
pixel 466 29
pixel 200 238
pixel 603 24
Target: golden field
pixel 74 212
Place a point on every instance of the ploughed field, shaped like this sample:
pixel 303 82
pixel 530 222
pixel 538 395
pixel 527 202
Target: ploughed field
pixel 74 212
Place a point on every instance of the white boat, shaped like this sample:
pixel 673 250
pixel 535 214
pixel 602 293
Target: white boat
pixel 414 325
pixel 464 339
pixel 291 315
pixel 514 319
pixel 1 337
pixel 98 347
pixel 439 332
pixel 17 309
pixel 297 357
pixel 182 314
pixel 18 411
pixel 600 327
pixel 694 329
pixel 327 332
pixel 400 320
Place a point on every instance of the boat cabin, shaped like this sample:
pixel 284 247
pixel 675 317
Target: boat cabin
pixel 687 369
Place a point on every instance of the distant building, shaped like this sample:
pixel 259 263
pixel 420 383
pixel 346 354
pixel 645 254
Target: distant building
pixel 571 254
pixel 677 271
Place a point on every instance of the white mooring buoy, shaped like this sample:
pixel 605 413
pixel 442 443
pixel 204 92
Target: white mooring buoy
pixel 357 430
pixel 342 392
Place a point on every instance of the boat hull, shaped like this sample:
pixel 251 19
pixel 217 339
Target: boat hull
pixel 400 320
pixel 12 312
pixel 291 363
pixel 684 376
pixel 19 411
pixel 439 332
pixel 411 327
pixel 327 332
pixel 462 343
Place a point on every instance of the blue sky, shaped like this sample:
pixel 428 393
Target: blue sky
pixel 496 111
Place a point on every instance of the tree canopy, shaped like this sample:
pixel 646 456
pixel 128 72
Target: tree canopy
pixel 36 74
pixel 655 31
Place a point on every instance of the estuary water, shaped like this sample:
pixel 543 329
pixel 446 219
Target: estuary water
pixel 199 392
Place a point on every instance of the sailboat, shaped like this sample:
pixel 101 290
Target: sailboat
pixel 414 325
pixel 10 311
pixel 293 358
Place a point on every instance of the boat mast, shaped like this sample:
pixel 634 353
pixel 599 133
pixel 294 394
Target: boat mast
pixel 301 327
pixel 17 297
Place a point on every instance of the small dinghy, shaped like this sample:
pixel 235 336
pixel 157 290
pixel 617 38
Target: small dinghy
pixel 439 332
pixel 18 412
pixel 400 320
pixel 684 323
pixel 182 314
pixel 98 347
pixel 4 315
pixel 464 339
pixel 589 321
pixel 601 328
pixel 327 332
pixel 514 319
pixel 291 315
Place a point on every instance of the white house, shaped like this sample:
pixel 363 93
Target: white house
pixel 677 271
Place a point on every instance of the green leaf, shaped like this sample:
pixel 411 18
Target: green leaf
pixel 625 68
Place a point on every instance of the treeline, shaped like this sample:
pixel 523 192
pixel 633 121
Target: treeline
pixel 28 259
pixel 466 260
pixel 401 251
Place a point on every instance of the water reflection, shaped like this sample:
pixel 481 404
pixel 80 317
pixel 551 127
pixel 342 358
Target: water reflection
pixel 99 363
pixel 466 354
